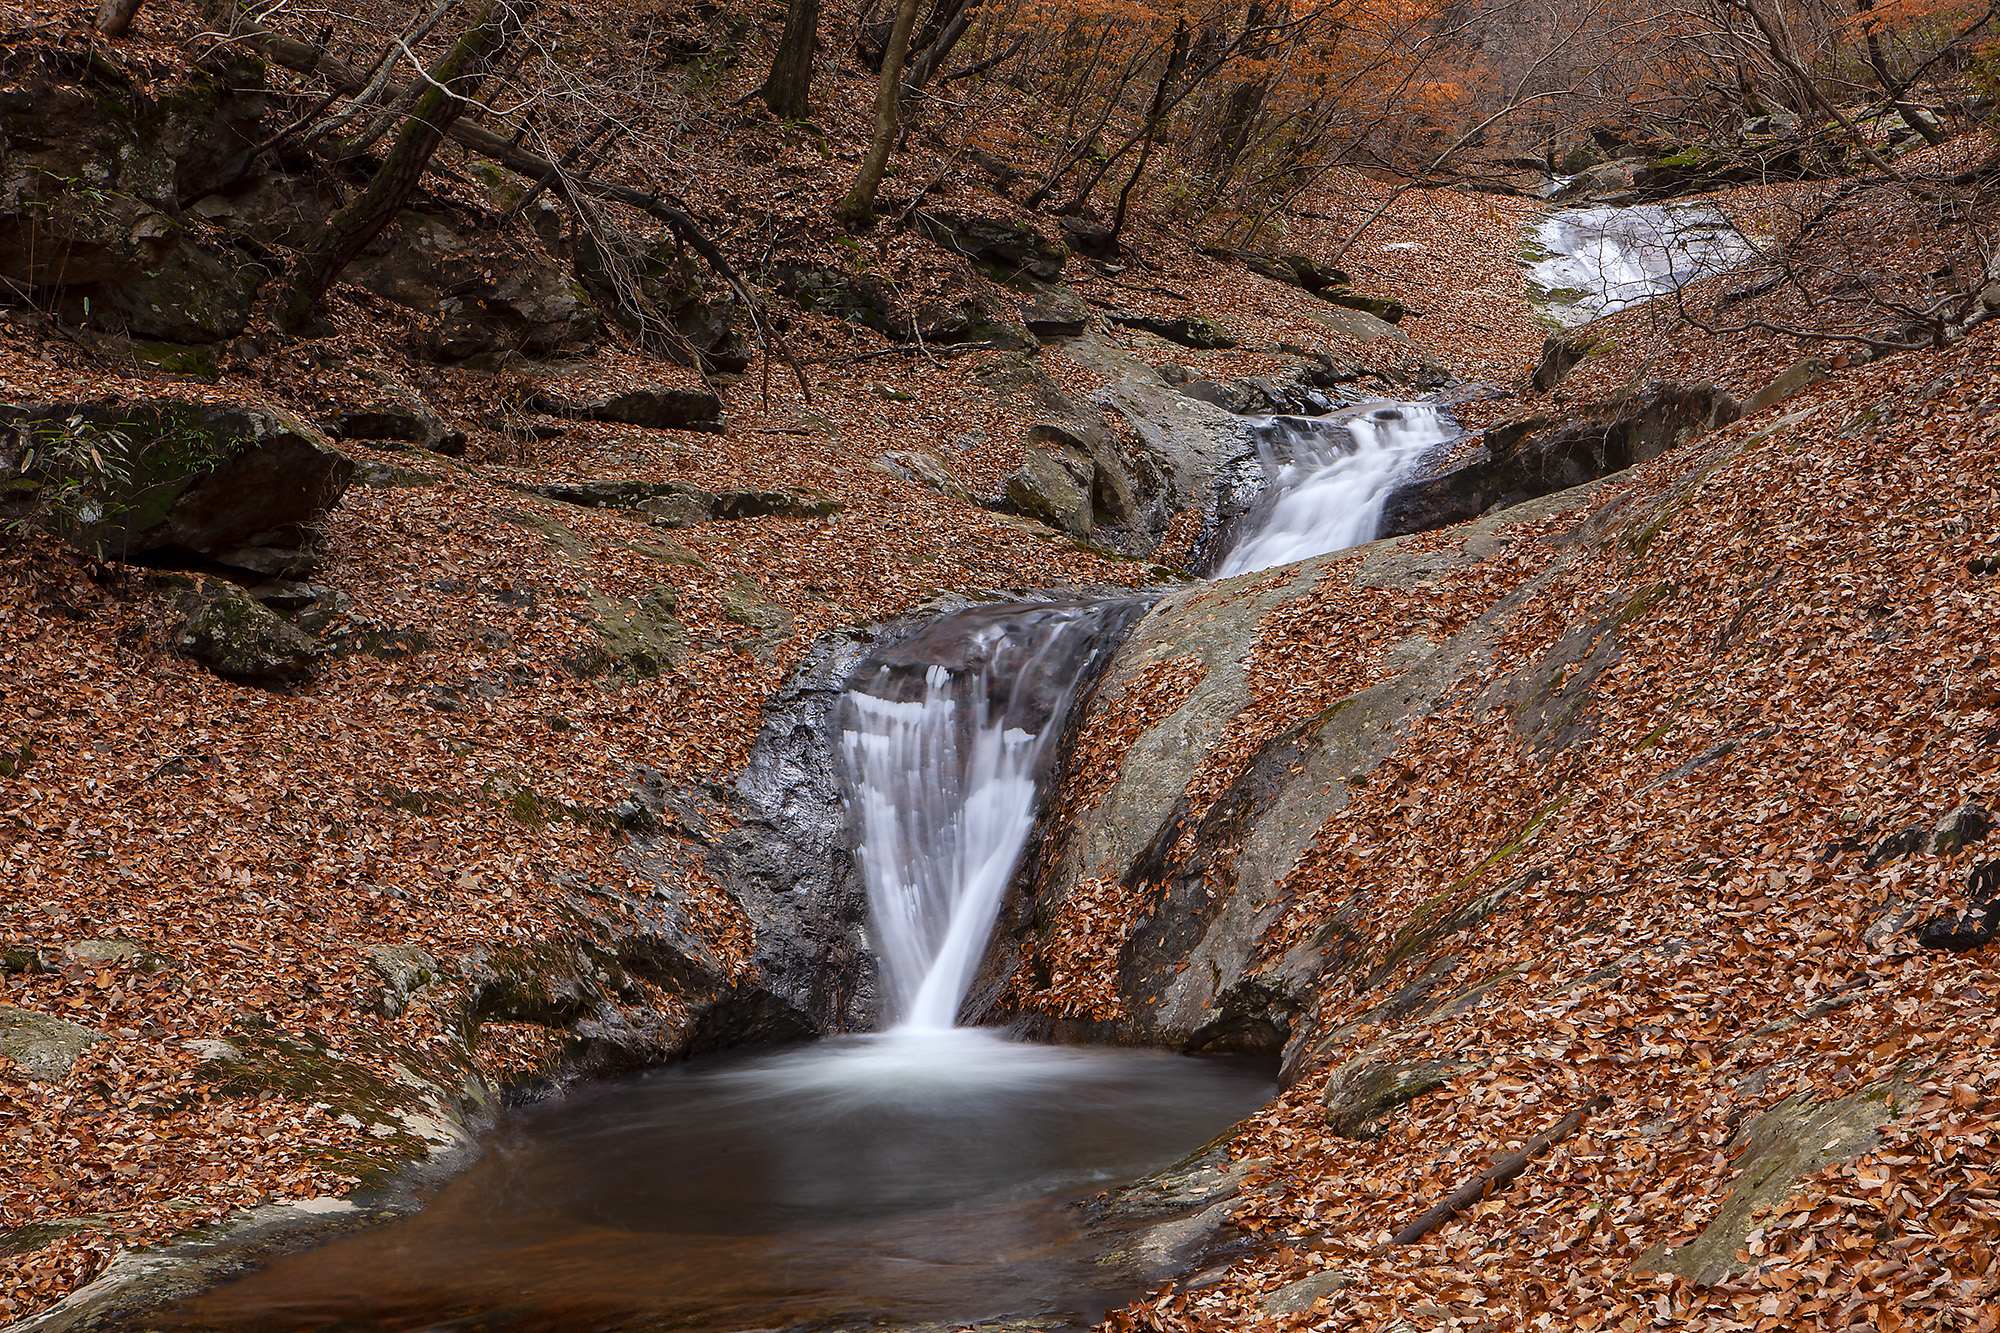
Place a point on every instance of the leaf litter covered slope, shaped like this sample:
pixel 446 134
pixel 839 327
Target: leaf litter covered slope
pixel 257 846
pixel 1703 895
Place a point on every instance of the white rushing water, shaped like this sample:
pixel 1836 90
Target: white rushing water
pixel 943 777
pixel 944 752
pixel 1613 258
pixel 1327 493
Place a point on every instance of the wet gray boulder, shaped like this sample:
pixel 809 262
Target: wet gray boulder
pixel 1539 455
pixel 1183 444
pixel 1008 249
pixel 1053 485
pixel 241 486
pixel 1229 395
pixel 227 630
pixel 1607 178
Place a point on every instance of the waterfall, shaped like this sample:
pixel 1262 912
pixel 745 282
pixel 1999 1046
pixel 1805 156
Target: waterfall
pixel 1327 481
pixel 945 739
pixel 946 735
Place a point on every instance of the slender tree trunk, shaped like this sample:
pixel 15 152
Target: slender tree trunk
pixel 857 211
pixel 1176 62
pixel 927 65
pixel 1879 62
pixel 785 89
pixel 455 80
pixel 114 17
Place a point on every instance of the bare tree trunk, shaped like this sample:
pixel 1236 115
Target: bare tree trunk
pixel 1176 62
pixel 925 66
pixel 114 17
pixel 455 80
pixel 1879 62
pixel 785 89
pixel 857 211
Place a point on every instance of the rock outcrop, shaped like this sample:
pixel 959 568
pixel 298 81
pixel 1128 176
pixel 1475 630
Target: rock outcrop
pixel 238 637
pixel 1539 455
pixel 240 486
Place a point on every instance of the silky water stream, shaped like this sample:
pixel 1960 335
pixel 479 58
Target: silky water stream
pixel 921 1174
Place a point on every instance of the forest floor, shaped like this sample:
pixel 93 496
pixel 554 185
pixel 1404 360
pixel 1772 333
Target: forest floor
pixel 187 861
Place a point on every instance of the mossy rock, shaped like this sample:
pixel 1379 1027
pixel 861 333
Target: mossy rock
pixel 43 1046
pixel 239 638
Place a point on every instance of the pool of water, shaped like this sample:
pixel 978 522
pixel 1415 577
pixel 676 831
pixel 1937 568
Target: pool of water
pixel 898 1178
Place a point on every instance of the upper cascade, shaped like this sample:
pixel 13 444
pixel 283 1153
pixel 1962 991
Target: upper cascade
pixel 1327 482
pixel 1603 260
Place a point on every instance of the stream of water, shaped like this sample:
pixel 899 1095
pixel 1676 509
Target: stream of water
pixel 1603 260
pixel 1326 482
pixel 923 1173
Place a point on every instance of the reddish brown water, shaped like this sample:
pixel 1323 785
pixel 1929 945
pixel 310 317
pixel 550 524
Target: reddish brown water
pixel 900 1178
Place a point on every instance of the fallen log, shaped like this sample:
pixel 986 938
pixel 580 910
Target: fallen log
pixel 1494 1177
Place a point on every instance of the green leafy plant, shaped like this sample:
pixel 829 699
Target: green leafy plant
pixel 76 473
pixel 91 482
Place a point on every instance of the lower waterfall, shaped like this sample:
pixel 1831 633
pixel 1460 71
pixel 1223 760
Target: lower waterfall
pixel 944 762
pixel 923 1175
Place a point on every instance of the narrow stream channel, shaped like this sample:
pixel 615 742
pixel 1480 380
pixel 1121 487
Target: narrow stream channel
pixel 921 1174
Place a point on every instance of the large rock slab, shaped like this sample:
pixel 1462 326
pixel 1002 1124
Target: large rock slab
pixel 1794 1139
pixel 655 406
pixel 1211 870
pixel 1187 330
pixel 1359 325
pixel 487 298
pixel 241 486
pixel 1540 455
pixel 1186 441
pixel 960 310
pixel 1011 249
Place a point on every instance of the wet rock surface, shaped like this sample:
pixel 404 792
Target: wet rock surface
pixel 1541 455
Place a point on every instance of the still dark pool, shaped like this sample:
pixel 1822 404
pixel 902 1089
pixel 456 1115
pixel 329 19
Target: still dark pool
pixel 901 1178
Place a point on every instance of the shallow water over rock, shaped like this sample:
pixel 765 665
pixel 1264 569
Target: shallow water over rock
pixel 895 1179
pixel 1603 260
